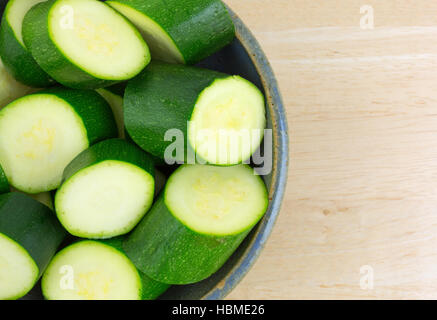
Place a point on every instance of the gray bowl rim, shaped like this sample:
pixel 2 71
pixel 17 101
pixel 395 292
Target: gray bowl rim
pixel 280 164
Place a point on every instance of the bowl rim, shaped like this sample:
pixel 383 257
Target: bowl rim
pixel 280 164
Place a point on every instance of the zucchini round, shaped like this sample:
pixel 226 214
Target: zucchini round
pixel 84 44
pixel 180 31
pixel 107 189
pixel 16 58
pixel 225 114
pixel 99 271
pixel 42 132
pixel 197 222
pixel 29 237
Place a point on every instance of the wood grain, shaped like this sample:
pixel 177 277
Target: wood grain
pixel 362 112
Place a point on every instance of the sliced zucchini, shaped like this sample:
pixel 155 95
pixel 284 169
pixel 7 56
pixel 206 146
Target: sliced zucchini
pixel 115 100
pixel 29 237
pixel 16 58
pixel 41 133
pixel 226 114
pixel 96 271
pixel 180 31
pixel 107 189
pixel 197 223
pixel 10 89
pixel 84 44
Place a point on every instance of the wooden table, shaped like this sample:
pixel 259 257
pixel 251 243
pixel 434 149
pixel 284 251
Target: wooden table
pixel 362 186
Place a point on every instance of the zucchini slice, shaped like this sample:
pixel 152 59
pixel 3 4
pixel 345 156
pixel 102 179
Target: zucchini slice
pixel 197 223
pixel 29 237
pixel 115 100
pixel 17 59
pixel 98 271
pixel 10 89
pixel 42 132
pixel 180 31
pixel 107 189
pixel 226 114
pixel 84 44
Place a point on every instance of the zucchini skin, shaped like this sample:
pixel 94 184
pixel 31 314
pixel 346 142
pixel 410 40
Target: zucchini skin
pixel 149 110
pixel 37 39
pixel 151 289
pixel 92 108
pixel 4 183
pixel 112 149
pixel 32 225
pixel 18 60
pixel 169 252
pixel 198 28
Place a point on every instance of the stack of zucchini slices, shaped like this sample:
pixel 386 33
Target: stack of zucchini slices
pixel 94 96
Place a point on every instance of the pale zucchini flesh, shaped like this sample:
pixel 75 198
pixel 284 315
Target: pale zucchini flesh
pixel 97 39
pixel 216 200
pixel 228 121
pixel 40 134
pixel 15 16
pixel 18 271
pixel 89 270
pixel 104 200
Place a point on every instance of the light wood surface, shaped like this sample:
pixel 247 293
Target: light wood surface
pixel 362 185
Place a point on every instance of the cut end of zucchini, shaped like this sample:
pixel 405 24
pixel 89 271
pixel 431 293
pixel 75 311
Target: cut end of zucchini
pixel 15 13
pixel 116 103
pixel 160 43
pixel 216 200
pixel 90 270
pixel 40 134
pixel 18 271
pixel 97 39
pixel 228 121
pixel 104 200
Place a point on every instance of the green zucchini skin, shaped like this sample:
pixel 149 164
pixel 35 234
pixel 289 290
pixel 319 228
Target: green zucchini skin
pixel 32 225
pixel 151 289
pixel 93 109
pixel 149 110
pixel 197 28
pixel 112 149
pixel 18 60
pixel 169 252
pixel 49 57
pixel 4 183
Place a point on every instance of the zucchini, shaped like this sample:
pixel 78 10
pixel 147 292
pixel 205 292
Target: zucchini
pixel 84 44
pixel 197 223
pixel 42 132
pixel 180 31
pixel 10 89
pixel 4 183
pixel 15 55
pixel 228 108
pixel 44 197
pixel 99 271
pixel 107 189
pixel 29 237
pixel 115 100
